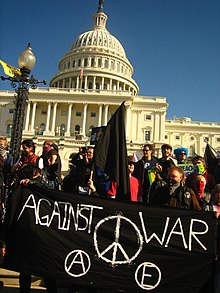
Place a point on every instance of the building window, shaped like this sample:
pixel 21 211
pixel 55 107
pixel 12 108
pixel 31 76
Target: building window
pixel 166 136
pixel 11 111
pixel 113 65
pixel 99 62
pixel 63 113
pixel 207 139
pixel 92 62
pixel 147 117
pixel 79 62
pixel 106 63
pixel 44 112
pixel 218 139
pixel 74 63
pixel 177 137
pixel 78 114
pixel 93 114
pixel 147 135
pixel 8 130
pixel 86 62
pixel 62 129
pixel 77 129
pixel 40 131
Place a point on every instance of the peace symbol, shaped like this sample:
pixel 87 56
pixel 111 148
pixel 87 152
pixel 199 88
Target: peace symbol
pixel 116 247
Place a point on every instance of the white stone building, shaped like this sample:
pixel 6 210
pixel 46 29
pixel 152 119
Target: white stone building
pixel 94 78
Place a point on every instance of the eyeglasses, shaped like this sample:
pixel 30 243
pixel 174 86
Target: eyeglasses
pixel 146 150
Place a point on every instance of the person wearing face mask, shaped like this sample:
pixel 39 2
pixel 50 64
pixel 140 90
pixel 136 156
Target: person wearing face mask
pixel 175 193
pixel 203 196
pixel 200 169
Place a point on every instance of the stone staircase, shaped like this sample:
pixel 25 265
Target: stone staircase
pixel 11 279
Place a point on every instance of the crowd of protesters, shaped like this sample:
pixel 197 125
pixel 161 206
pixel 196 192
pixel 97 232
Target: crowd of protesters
pixel 153 181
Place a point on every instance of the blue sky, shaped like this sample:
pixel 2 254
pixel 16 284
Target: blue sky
pixel 173 45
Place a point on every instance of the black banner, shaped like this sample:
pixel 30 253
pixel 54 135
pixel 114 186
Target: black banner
pixel 110 244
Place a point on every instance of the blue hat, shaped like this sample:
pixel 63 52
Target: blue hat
pixel 179 150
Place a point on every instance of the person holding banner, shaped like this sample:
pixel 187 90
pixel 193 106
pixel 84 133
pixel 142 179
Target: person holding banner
pixel 78 177
pixel 27 157
pixel 51 164
pixel 175 193
pixel 34 177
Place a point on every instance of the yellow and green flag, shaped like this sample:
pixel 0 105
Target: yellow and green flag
pixel 10 70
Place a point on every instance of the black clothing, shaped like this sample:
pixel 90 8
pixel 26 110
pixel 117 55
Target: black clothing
pixel 141 172
pixel 165 164
pixel 53 172
pixel 78 176
pixel 182 197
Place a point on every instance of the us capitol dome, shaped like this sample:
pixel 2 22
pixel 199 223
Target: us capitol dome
pixel 96 60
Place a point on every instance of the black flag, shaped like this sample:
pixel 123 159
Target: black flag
pixel 210 159
pixel 111 152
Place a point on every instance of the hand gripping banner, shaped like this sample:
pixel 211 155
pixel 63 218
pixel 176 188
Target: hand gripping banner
pixel 110 244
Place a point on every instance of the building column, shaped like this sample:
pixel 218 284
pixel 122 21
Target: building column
pixel 117 86
pixel 106 114
pixel 67 133
pixel 27 116
pixel 94 81
pixel 133 125
pixel 84 119
pixel 70 82
pixel 137 125
pixel 110 86
pixel 47 131
pixel 199 145
pixel 171 138
pixel 33 116
pixel 162 126
pixel 100 116
pixel 128 120
pixel 54 117
pixel 77 82
pixel 86 82
pixel 156 126
pixel 103 79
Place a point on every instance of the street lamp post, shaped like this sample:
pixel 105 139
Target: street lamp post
pixel 26 62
